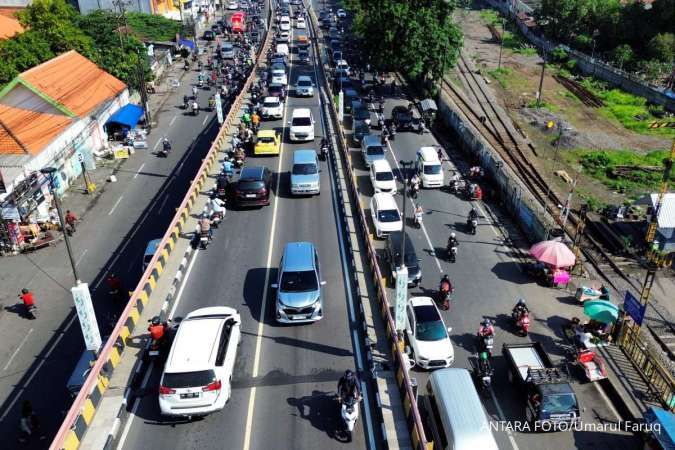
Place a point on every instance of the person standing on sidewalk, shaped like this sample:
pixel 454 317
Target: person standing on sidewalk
pixel 71 220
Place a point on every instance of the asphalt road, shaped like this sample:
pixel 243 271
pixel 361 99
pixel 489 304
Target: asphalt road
pixel 285 376
pixel 39 356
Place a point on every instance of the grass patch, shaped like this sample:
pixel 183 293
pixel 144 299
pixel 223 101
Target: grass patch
pixel 490 16
pixel 517 44
pixel 601 166
pixel 501 76
pixel 550 106
pixel 630 110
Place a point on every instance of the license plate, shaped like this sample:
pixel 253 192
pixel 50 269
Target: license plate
pixel 153 353
pixel 190 395
pixel 250 195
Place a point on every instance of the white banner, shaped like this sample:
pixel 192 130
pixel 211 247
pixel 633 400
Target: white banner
pixel 219 109
pixel 85 312
pixel 401 297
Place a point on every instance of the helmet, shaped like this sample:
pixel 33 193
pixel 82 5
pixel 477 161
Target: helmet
pixel 487 322
pixel 24 291
pixel 155 320
pixel 349 375
pixel 452 235
pixel 521 302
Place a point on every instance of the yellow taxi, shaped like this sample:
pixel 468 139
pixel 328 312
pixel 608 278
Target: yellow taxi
pixel 268 142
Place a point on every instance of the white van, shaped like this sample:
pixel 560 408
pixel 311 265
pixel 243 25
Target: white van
pixel 429 167
pixel 282 49
pixel 302 125
pixel 458 420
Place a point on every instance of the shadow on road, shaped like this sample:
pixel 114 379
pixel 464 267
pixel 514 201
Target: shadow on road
pixel 321 409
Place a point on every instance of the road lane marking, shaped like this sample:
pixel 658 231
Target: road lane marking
pixel 206 118
pixel 37 368
pixel 172 121
pixel 139 170
pixel 261 320
pixel 156 145
pixel 161 206
pixel 77 263
pixel 422 227
pixel 486 217
pixel 184 283
pixel 23 341
pixel 115 205
pixel 137 403
pixel 502 419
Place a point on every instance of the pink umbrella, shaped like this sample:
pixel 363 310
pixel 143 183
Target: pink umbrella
pixel 554 253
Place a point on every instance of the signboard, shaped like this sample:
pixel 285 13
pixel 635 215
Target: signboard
pixel 85 312
pixel 341 106
pixel 634 308
pixel 219 109
pixel 122 153
pixel 401 296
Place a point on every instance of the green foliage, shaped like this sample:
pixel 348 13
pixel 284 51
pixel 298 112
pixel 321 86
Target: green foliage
pixel 550 106
pixel 501 75
pixel 600 165
pixel 152 27
pixel 571 65
pixel 490 16
pixel 54 20
pixel 558 55
pixel 612 25
pixel 516 43
pixel 418 39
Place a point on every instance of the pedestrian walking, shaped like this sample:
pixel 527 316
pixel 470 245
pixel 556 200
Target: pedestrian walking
pixel 29 424
pixel 71 220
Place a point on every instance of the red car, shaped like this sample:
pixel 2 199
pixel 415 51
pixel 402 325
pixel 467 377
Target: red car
pixel 253 187
pixel 238 22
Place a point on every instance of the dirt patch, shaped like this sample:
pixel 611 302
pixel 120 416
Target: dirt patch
pixel 582 126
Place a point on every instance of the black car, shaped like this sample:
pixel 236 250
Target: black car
pixel 360 111
pixel 335 45
pixel 209 35
pixel 392 257
pixel 303 56
pixel 402 118
pixel 253 186
pixel 360 130
pixel 344 82
pixel 276 90
pixel 255 36
pixel 335 56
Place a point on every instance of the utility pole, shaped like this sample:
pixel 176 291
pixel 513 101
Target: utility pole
pixel 541 80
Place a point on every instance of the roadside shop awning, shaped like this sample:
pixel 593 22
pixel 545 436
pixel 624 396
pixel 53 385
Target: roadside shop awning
pixel 666 421
pixel 428 105
pixel 127 116
pixel 601 311
pixel 187 43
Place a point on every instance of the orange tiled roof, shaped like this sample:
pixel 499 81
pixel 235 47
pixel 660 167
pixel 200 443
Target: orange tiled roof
pixel 9 11
pixel 28 132
pixel 9 27
pixel 74 81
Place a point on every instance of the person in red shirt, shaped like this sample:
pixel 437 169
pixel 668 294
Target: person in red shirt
pixel 71 220
pixel 157 329
pixel 27 298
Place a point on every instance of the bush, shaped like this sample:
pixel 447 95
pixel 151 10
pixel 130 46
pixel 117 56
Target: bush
pixel 571 65
pixel 558 55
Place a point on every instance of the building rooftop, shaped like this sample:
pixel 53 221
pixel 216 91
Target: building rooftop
pixel 25 132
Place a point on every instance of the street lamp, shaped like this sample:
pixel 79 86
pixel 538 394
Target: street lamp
pixel 80 292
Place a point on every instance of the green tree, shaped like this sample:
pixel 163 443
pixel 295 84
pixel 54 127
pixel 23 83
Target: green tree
pixel 22 52
pixel 662 47
pixel 622 54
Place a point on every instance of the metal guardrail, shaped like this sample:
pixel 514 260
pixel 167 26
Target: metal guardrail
pixel 659 379
pixel 109 355
pixel 402 362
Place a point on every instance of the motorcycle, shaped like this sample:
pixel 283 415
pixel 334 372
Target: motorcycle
pixel 486 343
pixel 166 149
pixel 324 152
pixel 204 239
pixel 452 253
pixel 522 322
pixel 483 370
pixel 216 218
pixel 157 348
pixel 421 127
pixel 417 220
pixel 443 299
pixel 195 108
pixel 392 132
pixel 186 67
pixel 32 312
pixel 349 412
pixel 414 189
pixel 472 224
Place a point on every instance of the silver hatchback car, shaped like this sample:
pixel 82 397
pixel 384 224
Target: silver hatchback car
pixel 299 298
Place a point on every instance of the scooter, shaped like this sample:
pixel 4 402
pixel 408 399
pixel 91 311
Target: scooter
pixel 216 218
pixel 349 411
pixel 32 312
pixel 486 343
pixel 472 224
pixel 324 152
pixel 443 299
pixel 522 322
pixel 166 149
pixel 195 108
pixel 452 253
pixel 204 239
pixel 417 220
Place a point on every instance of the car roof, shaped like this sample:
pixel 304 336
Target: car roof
pixel 385 201
pixel 196 342
pixel 270 98
pixel 304 156
pixel 381 165
pixel 301 112
pixel 372 140
pixel 251 173
pixel 267 133
pixel 298 256
pixel 428 153
pixel 304 77
pixel 425 310
pixel 395 243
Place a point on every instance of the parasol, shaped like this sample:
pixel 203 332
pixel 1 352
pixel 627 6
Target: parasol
pixel 554 253
pixel 601 311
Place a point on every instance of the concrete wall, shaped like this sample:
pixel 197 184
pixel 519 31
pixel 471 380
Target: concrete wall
pixel 520 203
pixel 87 6
pixel 592 66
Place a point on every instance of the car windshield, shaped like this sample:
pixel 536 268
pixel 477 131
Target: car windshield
pixel 278 72
pixel 432 169
pixel 410 258
pixel 384 176
pixel 431 331
pixel 227 47
pixel 188 379
pixel 361 114
pixel 558 403
pixel 271 103
pixel 304 169
pixel 375 150
pixel 301 122
pixel 388 215
pixel 402 114
pixel 266 139
pixel 304 281
pixel 274 89
pixel 304 83
pixel 251 185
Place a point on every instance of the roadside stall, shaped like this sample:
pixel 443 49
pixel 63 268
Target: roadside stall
pixel 554 259
pixel 428 109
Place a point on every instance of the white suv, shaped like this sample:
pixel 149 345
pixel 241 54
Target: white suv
pixel 385 214
pixel 198 370
pixel 302 125
pixel 427 334
pixel 272 108
pixel 285 23
pixel 382 177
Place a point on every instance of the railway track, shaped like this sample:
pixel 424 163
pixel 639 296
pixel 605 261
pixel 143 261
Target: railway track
pixel 485 117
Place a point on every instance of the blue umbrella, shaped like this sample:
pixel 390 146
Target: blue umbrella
pixel 601 311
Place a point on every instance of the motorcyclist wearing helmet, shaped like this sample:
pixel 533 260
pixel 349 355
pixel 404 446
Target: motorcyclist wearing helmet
pixel 520 309
pixel 452 241
pixel 157 329
pixel 486 329
pixel 27 298
pixel 217 205
pixel 166 145
pixel 205 226
pixel 473 214
pixel 348 386
pixel 445 285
